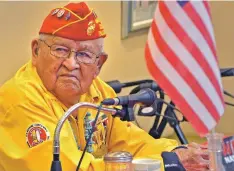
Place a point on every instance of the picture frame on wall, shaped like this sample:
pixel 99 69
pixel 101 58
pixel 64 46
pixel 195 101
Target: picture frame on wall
pixel 136 15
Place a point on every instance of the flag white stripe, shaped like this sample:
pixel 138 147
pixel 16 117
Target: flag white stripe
pixel 185 22
pixel 177 81
pixel 181 52
pixel 205 17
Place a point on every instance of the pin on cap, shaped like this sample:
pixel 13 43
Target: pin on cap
pixel 67 17
pixel 60 13
pixel 55 11
pixel 94 13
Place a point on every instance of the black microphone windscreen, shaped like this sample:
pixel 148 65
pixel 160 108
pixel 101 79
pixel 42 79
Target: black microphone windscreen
pixel 108 101
pixel 116 85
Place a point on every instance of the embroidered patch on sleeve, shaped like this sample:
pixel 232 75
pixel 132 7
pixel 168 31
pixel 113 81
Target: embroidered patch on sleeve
pixel 36 134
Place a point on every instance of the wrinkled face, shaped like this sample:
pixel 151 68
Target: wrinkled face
pixel 67 78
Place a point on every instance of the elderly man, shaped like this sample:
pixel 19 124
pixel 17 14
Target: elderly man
pixel 66 60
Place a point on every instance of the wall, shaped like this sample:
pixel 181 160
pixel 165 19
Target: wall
pixel 21 22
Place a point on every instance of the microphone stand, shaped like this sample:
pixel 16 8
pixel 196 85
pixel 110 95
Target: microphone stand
pixel 175 124
pixel 56 164
pixel 154 132
pixel 128 113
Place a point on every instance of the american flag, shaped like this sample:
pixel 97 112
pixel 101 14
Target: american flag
pixel 181 56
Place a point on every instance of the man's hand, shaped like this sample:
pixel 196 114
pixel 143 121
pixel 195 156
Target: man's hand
pixel 194 158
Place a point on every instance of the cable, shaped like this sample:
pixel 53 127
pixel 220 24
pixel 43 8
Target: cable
pixel 173 107
pixel 168 117
pixel 90 136
pixel 230 104
pixel 228 94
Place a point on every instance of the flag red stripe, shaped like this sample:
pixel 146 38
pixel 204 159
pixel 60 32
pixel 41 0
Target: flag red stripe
pixel 188 43
pixel 174 94
pixel 207 8
pixel 197 21
pixel 184 72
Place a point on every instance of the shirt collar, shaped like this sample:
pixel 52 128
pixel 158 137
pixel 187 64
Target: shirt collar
pixel 93 95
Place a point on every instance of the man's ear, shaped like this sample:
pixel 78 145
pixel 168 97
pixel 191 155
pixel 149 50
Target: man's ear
pixel 35 50
pixel 102 59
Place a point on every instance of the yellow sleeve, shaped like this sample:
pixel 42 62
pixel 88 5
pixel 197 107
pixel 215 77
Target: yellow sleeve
pixel 1 166
pixel 15 154
pixel 128 137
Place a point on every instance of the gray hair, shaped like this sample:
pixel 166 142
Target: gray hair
pixel 43 36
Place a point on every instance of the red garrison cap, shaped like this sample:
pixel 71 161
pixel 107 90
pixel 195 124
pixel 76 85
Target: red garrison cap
pixel 74 21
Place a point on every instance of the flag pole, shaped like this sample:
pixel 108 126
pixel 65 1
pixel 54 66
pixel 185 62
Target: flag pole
pixel 213 131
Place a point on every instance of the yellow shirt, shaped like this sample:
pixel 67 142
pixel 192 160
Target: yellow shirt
pixel 29 115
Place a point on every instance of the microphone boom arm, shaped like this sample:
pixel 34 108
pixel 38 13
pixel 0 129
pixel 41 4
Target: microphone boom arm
pixel 56 165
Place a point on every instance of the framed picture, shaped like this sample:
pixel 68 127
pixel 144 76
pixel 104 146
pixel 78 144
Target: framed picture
pixel 136 15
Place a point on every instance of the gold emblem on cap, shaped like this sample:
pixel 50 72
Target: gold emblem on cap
pixel 101 33
pixel 60 13
pixel 91 28
pixel 99 24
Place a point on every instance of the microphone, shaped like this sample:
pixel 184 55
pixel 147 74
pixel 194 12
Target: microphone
pixel 116 85
pixel 145 96
pixel 227 72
